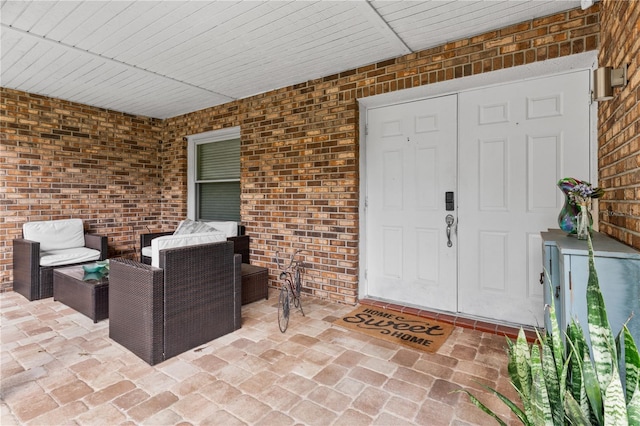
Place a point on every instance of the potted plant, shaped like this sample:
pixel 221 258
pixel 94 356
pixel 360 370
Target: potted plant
pixel 570 383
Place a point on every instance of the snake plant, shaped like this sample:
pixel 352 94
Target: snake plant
pixel 569 384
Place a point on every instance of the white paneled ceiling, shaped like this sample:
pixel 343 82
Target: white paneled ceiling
pixel 166 58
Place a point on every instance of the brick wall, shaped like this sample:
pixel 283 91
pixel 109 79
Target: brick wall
pixel 174 155
pixel 299 165
pixel 619 124
pixel 300 180
pixel 59 160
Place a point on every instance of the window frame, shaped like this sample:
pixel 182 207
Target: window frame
pixel 192 170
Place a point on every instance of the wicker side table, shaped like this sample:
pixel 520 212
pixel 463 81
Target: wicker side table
pixel 87 296
pixel 255 283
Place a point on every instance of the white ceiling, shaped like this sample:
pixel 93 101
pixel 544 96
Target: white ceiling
pixel 166 58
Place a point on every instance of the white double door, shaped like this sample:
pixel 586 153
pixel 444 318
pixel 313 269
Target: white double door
pixel 500 152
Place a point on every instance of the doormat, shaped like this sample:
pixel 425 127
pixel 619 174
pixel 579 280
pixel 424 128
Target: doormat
pixel 404 329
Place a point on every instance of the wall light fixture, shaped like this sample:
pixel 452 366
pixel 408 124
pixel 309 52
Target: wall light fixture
pixel 605 79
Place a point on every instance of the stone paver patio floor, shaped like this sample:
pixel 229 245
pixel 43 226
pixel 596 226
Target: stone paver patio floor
pixel 59 368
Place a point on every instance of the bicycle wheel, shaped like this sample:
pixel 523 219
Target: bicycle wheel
pixel 297 299
pixel 283 308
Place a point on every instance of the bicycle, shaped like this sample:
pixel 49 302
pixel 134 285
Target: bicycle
pixel 290 289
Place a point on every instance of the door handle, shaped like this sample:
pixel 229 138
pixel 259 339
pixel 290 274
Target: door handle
pixel 449 220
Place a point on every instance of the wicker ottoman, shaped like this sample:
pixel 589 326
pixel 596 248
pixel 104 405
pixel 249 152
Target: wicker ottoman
pixel 255 283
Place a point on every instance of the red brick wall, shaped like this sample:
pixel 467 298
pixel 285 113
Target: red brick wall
pixel 60 160
pixel 299 163
pixel 300 179
pixel 300 182
pixel 619 124
pixel 174 155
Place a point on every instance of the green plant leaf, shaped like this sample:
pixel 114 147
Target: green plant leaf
pixel 484 408
pixel 602 342
pixel 540 406
pixel 574 412
pixel 615 408
pixel 556 336
pixel 521 415
pixel 520 369
pixel 577 378
pixel 555 391
pixel 563 385
pixel 511 365
pixel 592 388
pixel 631 364
pixel 633 408
pixel 574 362
pixel 579 349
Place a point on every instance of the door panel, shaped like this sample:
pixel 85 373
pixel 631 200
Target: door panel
pixel 391 245
pixel 411 163
pixel 516 141
pixel 492 175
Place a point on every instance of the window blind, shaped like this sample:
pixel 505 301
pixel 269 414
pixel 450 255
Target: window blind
pixel 219 160
pixel 218 180
pixel 219 201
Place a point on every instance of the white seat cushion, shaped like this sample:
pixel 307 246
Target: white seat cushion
pixel 68 256
pixel 170 241
pixel 146 251
pixel 55 234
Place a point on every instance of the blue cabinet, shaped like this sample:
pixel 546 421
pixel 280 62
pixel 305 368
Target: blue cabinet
pixel 566 261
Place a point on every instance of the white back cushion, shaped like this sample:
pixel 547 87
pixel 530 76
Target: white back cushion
pixel 230 229
pixel 170 241
pixel 189 226
pixel 55 234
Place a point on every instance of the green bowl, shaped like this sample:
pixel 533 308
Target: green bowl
pixel 92 276
pixel 92 268
pixel 103 263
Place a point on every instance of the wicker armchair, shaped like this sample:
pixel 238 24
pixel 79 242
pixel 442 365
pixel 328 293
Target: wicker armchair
pixel 193 298
pixel 47 245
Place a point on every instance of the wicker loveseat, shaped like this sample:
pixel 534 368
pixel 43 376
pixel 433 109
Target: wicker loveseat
pixel 47 245
pixel 193 298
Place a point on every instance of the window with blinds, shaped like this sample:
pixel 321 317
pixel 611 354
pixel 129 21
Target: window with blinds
pixel 218 180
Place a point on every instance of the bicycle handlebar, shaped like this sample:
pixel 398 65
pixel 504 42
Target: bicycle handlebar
pixel 291 261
